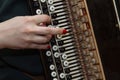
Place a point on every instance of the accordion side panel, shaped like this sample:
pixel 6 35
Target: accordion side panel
pixel 80 6
pixel 97 56
pixel 74 55
pixel 106 28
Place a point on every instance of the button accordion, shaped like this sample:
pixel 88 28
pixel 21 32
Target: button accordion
pixel 74 55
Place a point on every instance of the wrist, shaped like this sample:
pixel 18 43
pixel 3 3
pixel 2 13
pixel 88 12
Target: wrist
pixel 1 37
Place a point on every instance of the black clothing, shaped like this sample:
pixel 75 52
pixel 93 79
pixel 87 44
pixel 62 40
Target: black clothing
pixel 13 62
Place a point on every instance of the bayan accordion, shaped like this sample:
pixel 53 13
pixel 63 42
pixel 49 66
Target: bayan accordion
pixel 72 56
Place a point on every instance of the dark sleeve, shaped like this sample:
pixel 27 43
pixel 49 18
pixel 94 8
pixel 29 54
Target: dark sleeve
pixel 22 60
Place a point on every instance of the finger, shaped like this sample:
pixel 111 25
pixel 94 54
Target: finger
pixel 41 39
pixel 39 46
pixel 49 30
pixel 41 19
pixel 42 24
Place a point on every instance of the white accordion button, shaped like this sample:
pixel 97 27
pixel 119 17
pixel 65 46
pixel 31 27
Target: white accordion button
pixel 56 54
pixel 38 12
pixel 55 79
pixel 52 67
pixel 53 74
pixel 62 75
pixel 43 1
pixel 55 48
pixel 48 53
pixel 52 8
pixel 59 36
pixel 66 63
pixel 50 1
pixel 64 56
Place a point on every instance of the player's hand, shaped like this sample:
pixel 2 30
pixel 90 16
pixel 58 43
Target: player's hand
pixel 26 32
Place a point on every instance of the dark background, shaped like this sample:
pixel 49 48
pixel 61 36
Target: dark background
pixel 107 35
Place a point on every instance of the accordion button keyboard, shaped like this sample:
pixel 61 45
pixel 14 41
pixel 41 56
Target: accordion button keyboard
pixel 65 60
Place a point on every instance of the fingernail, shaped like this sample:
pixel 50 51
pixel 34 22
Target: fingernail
pixel 42 24
pixel 64 31
pixel 48 47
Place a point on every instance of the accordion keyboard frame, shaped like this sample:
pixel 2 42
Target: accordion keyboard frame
pixel 72 56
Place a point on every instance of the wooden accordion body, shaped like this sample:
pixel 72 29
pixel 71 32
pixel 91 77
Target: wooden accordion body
pixel 72 56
